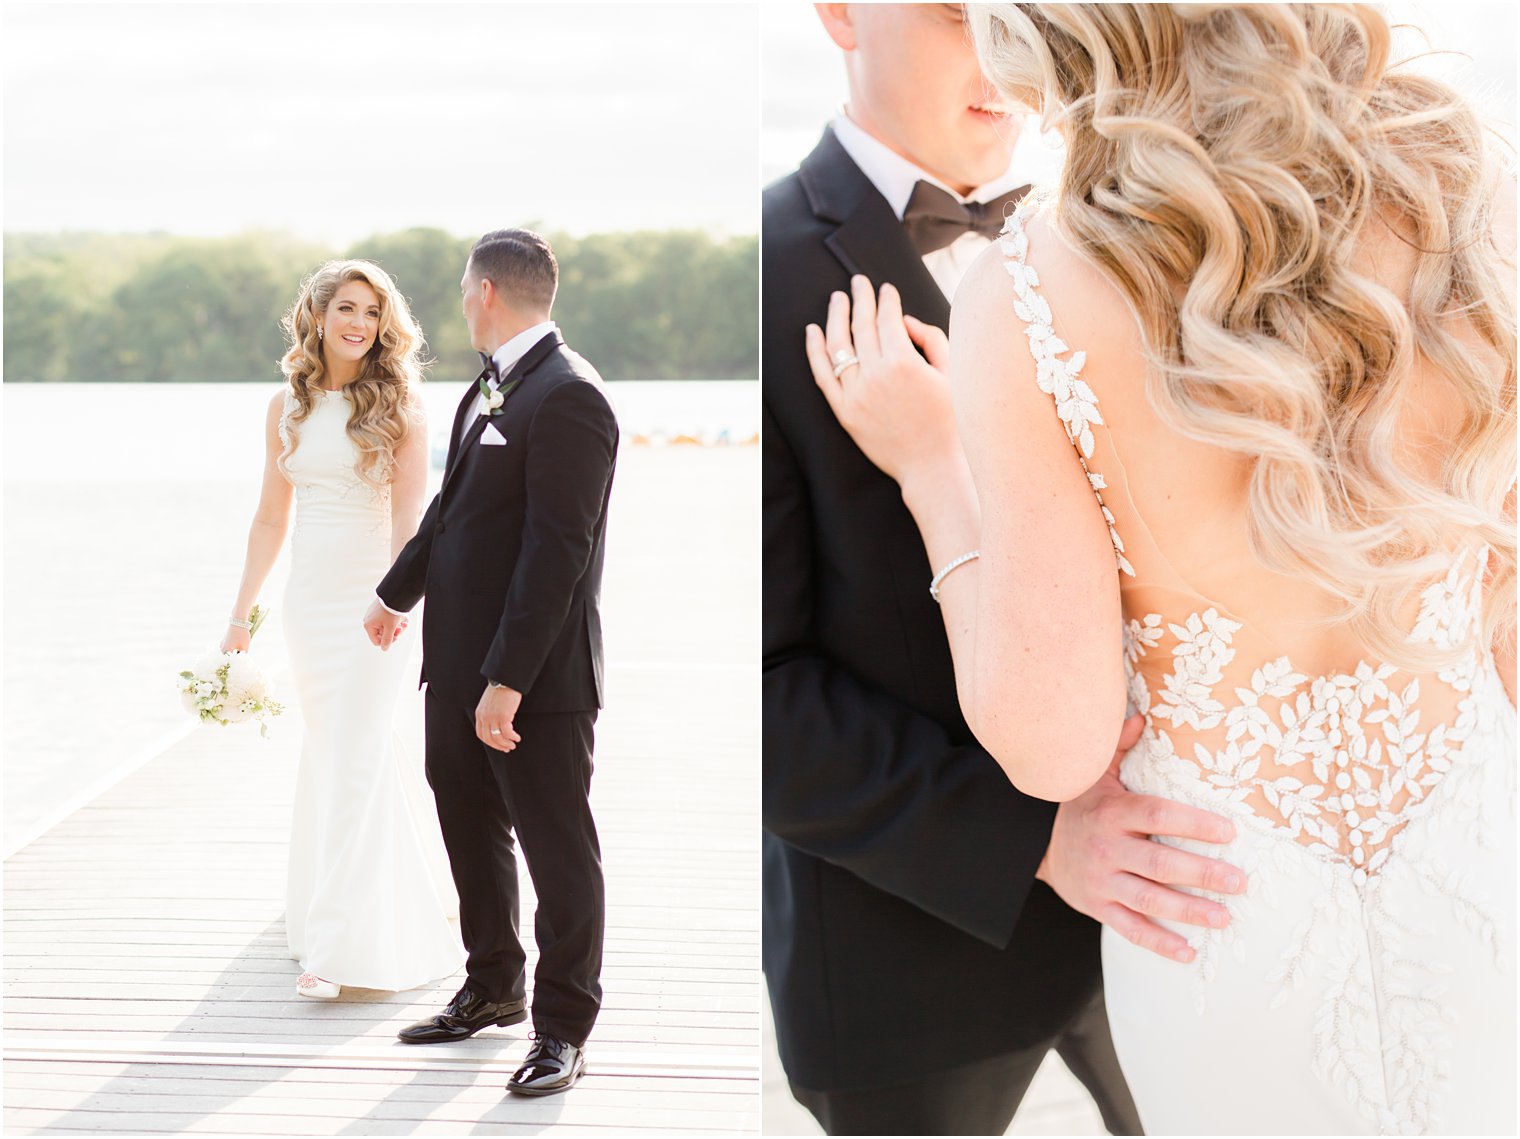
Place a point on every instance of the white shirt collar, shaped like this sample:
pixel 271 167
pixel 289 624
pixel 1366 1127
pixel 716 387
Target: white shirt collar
pixel 507 356
pixel 894 176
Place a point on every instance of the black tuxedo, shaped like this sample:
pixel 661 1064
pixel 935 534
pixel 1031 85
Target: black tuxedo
pixel 904 928
pixel 509 555
pixel 517 530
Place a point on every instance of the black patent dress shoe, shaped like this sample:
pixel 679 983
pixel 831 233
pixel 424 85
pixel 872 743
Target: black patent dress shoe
pixel 552 1066
pixel 462 1018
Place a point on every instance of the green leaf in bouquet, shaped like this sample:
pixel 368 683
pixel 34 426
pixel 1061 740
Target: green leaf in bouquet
pixel 256 617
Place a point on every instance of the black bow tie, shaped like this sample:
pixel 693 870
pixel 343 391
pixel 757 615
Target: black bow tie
pixel 934 218
pixel 488 370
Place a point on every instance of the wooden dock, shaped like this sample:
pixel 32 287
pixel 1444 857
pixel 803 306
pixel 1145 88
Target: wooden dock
pixel 147 984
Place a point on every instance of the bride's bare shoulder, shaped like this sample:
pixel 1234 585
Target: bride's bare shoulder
pixel 1085 308
pixel 274 418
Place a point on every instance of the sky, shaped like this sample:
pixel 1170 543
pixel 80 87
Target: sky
pixel 803 83
pixel 335 121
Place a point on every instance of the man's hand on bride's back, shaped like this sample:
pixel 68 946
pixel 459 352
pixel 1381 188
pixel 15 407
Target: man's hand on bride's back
pixel 893 401
pixel 1102 862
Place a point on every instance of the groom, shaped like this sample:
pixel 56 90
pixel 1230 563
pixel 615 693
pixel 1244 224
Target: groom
pixel 923 944
pixel 509 555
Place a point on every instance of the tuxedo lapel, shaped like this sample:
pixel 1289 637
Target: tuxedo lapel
pixel 459 413
pixel 869 238
pixel 472 433
pixel 532 358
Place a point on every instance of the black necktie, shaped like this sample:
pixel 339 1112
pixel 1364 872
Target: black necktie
pixel 934 218
pixel 488 371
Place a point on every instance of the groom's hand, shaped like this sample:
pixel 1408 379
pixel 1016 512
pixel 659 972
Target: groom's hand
pixel 1102 863
pixel 382 625
pixel 494 715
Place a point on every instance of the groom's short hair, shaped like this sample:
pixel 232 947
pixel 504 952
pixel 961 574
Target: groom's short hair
pixel 520 264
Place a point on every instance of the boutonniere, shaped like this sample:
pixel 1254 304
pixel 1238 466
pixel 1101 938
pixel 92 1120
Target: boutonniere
pixel 494 399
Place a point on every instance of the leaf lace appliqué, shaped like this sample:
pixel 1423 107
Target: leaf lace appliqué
pixel 1334 769
pixel 1076 403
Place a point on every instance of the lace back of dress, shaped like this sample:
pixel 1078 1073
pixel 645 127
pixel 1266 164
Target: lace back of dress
pixel 1238 671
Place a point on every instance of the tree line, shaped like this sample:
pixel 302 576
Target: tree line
pixel 647 305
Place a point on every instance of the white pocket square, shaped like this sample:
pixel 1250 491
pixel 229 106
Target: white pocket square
pixel 491 437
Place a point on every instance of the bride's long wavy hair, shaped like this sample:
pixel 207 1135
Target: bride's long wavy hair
pixel 1224 166
pixel 384 398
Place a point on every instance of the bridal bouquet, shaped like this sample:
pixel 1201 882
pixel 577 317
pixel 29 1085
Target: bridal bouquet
pixel 229 688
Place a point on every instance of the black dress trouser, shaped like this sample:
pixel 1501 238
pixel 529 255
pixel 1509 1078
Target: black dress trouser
pixel 980 1098
pixel 538 792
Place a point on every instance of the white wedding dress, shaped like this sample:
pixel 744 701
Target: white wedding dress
pixel 369 899
pixel 1365 983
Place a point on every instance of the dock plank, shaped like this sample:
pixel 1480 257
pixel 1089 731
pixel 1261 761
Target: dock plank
pixel 147 983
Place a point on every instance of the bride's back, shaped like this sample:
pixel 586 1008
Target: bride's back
pixel 1268 304
pixel 1248 671
pixel 1373 799
pixel 1183 505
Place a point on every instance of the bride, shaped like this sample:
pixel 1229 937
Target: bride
pixel 369 899
pixel 1239 395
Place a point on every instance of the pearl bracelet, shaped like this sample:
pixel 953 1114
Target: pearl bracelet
pixel 951 567
pixel 233 621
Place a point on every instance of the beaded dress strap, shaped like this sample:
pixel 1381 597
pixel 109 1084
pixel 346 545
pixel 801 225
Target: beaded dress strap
pixel 1076 404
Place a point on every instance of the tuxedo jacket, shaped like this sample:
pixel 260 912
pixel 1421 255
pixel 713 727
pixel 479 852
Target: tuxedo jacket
pixel 509 553
pixel 904 929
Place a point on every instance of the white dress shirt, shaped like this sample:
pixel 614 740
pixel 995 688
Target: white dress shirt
pixel 894 177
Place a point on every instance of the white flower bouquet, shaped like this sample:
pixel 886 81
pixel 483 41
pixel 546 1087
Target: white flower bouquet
pixel 229 688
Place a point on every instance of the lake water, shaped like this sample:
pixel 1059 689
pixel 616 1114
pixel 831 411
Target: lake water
pixel 126 514
pixel 179 428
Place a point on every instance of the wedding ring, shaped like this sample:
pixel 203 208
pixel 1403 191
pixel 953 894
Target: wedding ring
pixel 844 360
pixel 496 731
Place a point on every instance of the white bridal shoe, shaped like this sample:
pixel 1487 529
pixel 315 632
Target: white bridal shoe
pixel 311 985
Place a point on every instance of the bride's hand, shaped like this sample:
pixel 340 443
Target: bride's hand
pixel 894 402
pixel 382 626
pixel 236 640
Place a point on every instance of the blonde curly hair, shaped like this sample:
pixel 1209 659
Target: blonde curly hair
pixel 1225 166
pixel 385 400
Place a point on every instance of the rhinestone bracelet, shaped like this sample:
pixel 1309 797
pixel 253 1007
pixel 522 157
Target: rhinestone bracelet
pixel 951 567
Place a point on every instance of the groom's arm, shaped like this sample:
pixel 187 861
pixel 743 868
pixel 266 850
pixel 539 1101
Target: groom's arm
pixel 858 778
pixel 571 449
pixel 406 581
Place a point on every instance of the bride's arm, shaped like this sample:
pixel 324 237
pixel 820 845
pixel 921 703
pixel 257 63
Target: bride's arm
pixel 1034 624
pixel 267 533
pixel 409 483
pixel 1040 648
